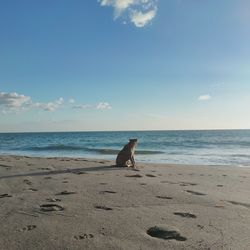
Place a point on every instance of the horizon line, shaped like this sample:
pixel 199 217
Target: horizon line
pixel 144 130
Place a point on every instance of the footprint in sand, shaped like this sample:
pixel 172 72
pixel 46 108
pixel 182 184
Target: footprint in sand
pixel 103 183
pixel 5 166
pixel 143 184
pixel 52 200
pixel 247 205
pixel 219 185
pixel 79 172
pixel 51 207
pixel 188 184
pixel 150 175
pixel 104 208
pixel 134 175
pixel 84 236
pixel 164 197
pixel 185 215
pixel 194 192
pixel 107 192
pixel 33 189
pixel 66 192
pixel 5 195
pixel 28 228
pixel 47 178
pixel 28 182
pixel 165 233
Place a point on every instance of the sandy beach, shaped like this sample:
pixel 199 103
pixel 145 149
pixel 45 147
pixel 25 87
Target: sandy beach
pixel 66 203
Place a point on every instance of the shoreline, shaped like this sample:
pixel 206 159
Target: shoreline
pixel 79 203
pixel 138 162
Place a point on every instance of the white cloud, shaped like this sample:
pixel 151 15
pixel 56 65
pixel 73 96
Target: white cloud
pixel 72 101
pixel 100 105
pixel 50 106
pixel 103 105
pixel 139 12
pixel 141 19
pixel 204 97
pixel 13 101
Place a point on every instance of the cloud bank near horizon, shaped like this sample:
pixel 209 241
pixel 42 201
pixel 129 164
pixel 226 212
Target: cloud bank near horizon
pixel 138 12
pixel 14 102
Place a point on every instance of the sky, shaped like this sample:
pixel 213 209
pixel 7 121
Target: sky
pixel 102 65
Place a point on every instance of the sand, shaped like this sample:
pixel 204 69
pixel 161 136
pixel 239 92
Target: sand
pixel 64 203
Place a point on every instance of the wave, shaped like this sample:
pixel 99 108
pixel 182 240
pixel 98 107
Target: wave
pixel 103 151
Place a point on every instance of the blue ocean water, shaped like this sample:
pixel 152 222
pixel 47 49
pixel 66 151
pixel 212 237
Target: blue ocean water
pixel 217 147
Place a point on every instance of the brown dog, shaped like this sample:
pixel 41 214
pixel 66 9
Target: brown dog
pixel 126 155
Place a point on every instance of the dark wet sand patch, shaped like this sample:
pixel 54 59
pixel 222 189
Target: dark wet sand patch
pixel 185 215
pixel 194 192
pixel 165 233
pixel 104 208
pixel 51 207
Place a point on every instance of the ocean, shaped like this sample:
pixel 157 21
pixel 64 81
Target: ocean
pixel 215 147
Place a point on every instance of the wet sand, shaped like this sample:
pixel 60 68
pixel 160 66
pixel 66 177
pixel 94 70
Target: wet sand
pixel 66 203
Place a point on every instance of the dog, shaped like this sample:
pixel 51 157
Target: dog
pixel 126 156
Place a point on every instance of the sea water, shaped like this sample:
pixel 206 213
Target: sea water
pixel 215 147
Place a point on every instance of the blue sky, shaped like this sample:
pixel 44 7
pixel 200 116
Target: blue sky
pixel 124 64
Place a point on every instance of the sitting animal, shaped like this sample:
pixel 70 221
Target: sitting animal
pixel 126 155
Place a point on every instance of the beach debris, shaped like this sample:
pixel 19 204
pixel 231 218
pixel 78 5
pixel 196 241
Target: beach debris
pixel 165 233
pixel 51 207
pixel 5 195
pixel 84 236
pixel 194 192
pixel 65 192
pixel 104 208
pixel 185 215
